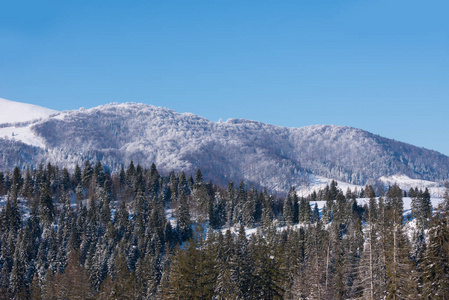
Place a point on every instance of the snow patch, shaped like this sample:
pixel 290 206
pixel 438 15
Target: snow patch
pixel 405 183
pixel 407 202
pixel 23 134
pixel 15 112
pixel 317 183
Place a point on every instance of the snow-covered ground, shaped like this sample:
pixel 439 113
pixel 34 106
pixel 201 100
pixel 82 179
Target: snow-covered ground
pixel 22 206
pixel 13 112
pixel 361 201
pixel 407 203
pixel 23 134
pixel 406 183
pixel 317 183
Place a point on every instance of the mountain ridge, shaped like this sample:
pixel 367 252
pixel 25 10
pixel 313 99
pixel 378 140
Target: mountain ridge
pixel 15 112
pixel 261 154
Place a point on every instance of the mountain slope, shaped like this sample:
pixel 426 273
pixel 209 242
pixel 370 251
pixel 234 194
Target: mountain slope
pixel 13 112
pixel 261 154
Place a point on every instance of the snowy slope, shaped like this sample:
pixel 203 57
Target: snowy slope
pixel 22 133
pixel 13 112
pixel 259 154
pixel 16 121
pixel 362 201
pixel 406 183
pixel 317 183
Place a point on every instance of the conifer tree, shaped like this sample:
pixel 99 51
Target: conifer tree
pixel 2 184
pixel 46 208
pixel 316 267
pixel 266 276
pixel 73 283
pixel 398 265
pixel 16 183
pixel 305 213
pixel 315 214
pixel 249 209
pixel 87 174
pixel 288 211
pixel 436 258
pixel 17 281
pixel 184 221
pixel 230 204
pixel 240 265
pixel 239 202
pixel 368 263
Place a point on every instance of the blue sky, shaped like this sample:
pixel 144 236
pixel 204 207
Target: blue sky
pixel 382 66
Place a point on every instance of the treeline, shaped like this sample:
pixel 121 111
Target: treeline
pixel 138 234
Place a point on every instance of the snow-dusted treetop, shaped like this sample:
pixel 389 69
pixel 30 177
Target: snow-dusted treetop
pixel 264 155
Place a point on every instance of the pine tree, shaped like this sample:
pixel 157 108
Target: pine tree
pixel 230 204
pixel 2 184
pixel 305 213
pixel 18 285
pixel 123 285
pixel 238 206
pixel 98 174
pixel 240 266
pixel 36 288
pixel 288 211
pixel 73 283
pixel 398 265
pixel 46 208
pixel 368 274
pixel 87 174
pixel 249 209
pixel 184 221
pixel 315 214
pixel 202 198
pixel 266 276
pixel 316 263
pixel 191 273
pixel 421 208
pixel 436 257
pixel 16 183
pixel 225 287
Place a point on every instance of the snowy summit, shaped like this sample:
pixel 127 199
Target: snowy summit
pixel 14 112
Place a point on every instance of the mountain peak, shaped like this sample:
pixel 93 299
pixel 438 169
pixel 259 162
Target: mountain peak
pixel 15 112
pixel 257 153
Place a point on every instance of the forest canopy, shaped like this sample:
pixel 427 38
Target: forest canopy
pixel 139 234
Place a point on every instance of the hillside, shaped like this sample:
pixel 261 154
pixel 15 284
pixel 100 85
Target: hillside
pixel 260 154
pixel 13 112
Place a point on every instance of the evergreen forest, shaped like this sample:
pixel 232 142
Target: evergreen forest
pixel 137 234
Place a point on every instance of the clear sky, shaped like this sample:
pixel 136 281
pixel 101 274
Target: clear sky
pixel 378 65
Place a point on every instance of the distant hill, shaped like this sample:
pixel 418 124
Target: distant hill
pixel 260 154
pixel 13 112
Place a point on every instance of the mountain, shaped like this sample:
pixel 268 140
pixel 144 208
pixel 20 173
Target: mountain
pixel 14 112
pixel 260 154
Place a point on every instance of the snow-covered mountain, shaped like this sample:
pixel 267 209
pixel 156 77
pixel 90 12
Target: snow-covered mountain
pixel 261 154
pixel 14 112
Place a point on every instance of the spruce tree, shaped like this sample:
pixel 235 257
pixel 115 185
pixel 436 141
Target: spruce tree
pixel 398 265
pixel 230 204
pixel 183 214
pixel 368 263
pixel 288 211
pixel 46 208
pixel 305 213
pixel 436 257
